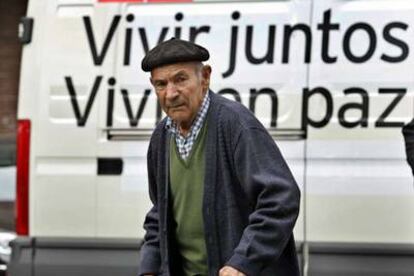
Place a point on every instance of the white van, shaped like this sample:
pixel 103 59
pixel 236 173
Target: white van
pixel 332 80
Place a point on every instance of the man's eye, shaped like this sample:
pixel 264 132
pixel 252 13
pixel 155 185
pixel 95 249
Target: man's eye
pixel 159 85
pixel 181 79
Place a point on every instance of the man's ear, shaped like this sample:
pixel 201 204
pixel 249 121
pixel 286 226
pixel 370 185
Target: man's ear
pixel 206 73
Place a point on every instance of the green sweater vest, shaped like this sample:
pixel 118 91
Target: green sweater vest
pixel 187 185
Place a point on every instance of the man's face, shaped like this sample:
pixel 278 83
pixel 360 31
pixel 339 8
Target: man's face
pixel 180 89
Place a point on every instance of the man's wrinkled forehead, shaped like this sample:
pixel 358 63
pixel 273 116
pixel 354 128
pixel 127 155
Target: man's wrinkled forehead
pixel 176 69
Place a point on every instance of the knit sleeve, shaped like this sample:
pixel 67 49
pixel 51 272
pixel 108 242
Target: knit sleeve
pixel 150 259
pixel 270 186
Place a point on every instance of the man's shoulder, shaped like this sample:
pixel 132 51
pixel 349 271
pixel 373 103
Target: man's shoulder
pixel 235 113
pixel 159 131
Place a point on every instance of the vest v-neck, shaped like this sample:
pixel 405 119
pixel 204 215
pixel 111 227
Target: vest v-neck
pixel 187 162
pixel 187 190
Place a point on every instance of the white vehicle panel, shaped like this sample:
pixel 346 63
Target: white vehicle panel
pixel 359 186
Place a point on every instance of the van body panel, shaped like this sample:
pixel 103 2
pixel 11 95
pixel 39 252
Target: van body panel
pixel 329 79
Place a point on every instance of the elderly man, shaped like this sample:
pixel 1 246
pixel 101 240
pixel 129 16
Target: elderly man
pixel 224 200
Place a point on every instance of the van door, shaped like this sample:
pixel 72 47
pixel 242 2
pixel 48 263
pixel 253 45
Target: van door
pixel 359 186
pixel 59 86
pixel 245 44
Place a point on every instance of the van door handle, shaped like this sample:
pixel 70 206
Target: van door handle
pixel 110 166
pixel 25 30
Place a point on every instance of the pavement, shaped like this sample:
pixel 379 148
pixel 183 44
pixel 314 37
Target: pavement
pixel 5 250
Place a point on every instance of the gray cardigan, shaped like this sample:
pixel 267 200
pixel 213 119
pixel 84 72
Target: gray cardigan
pixel 250 204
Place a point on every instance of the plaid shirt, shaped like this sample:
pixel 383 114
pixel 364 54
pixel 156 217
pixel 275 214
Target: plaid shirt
pixel 185 144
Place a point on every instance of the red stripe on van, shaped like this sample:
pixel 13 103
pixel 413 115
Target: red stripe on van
pixel 22 177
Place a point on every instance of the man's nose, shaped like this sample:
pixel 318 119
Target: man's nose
pixel 172 92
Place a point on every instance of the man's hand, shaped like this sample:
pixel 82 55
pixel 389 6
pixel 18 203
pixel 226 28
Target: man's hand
pixel 229 271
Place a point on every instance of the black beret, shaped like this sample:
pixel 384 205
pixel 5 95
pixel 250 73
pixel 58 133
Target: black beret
pixel 173 51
